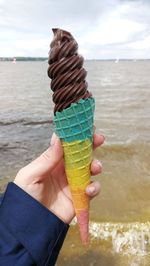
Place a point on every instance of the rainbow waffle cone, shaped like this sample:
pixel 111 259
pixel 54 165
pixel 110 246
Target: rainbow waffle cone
pixel 74 126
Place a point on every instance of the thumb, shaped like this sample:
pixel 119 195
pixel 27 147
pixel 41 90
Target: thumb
pixel 48 160
pixel 45 163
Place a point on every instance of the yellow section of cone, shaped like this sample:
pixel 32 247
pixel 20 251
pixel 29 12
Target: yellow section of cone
pixel 77 155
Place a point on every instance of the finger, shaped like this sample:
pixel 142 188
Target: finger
pixel 46 162
pixel 93 189
pixel 52 156
pixel 97 140
pixel 96 167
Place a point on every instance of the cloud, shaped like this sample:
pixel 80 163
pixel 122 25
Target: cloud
pixel 141 45
pixel 103 29
pixel 117 33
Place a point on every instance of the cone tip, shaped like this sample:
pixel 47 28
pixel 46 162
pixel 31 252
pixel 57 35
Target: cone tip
pixel 83 222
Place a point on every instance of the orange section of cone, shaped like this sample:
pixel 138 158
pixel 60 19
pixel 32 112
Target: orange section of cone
pixel 80 200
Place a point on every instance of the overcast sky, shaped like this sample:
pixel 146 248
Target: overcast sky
pixel 103 28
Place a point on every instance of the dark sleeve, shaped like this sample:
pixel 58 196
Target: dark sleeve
pixel 29 233
pixel 1 197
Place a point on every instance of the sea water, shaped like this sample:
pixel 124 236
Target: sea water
pixel 119 216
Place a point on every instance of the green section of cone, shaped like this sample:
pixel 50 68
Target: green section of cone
pixel 76 122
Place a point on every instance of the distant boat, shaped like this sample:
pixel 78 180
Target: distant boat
pixel 117 60
pixel 14 60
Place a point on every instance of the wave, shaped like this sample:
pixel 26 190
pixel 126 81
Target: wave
pixel 39 122
pixel 117 148
pixel 7 123
pixel 25 122
pixel 125 148
pixel 125 238
pixel 9 146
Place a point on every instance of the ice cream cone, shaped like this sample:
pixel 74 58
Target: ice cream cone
pixel 74 126
pixel 73 118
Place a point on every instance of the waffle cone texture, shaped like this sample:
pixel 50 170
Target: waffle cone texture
pixel 74 126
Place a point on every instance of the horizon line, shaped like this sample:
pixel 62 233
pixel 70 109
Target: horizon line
pixel 45 58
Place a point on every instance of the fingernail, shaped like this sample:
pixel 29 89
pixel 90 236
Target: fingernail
pixel 103 137
pixel 99 163
pixel 94 129
pixel 91 189
pixel 53 139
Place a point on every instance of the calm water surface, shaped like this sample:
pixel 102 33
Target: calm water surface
pixel 119 227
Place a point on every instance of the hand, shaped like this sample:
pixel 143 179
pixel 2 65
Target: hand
pixel 45 179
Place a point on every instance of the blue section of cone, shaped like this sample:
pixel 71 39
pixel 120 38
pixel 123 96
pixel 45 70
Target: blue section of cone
pixel 76 122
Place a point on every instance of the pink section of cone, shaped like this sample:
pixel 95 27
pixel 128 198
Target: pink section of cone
pixel 83 222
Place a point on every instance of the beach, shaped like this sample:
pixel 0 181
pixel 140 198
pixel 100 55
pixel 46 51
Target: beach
pixel 120 215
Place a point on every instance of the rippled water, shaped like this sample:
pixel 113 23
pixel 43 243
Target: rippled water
pixel 119 228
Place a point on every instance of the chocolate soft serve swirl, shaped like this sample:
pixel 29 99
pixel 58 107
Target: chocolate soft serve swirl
pixel 66 71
